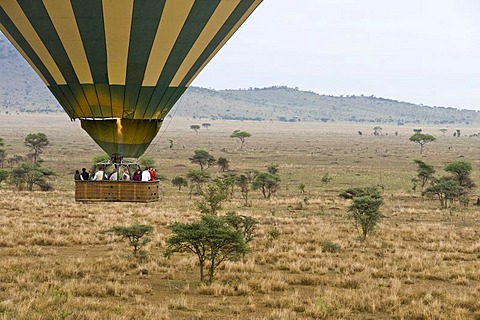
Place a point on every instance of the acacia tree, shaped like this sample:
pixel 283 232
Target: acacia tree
pixel 197 179
pixel 241 135
pixel 203 159
pixel 268 183
pixel 365 207
pixel 36 142
pixel 244 181
pixel 223 163
pixel 446 190
pixel 31 174
pixel 133 234
pixel 179 182
pixel 422 139
pixel 195 127
pixel 461 170
pixel 213 197
pixel 211 239
pixel 425 173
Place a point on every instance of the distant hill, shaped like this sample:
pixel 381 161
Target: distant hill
pixel 21 90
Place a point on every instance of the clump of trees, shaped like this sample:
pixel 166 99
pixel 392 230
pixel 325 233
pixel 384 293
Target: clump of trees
pixel 453 188
pixel 448 189
pixel 25 175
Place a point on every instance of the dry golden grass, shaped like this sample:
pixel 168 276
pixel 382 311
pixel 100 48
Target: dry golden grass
pixel 422 263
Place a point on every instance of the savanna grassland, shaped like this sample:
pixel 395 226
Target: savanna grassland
pixel 421 263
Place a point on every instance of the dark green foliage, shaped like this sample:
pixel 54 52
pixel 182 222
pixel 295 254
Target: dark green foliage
pixel 133 234
pixel 203 159
pixel 461 170
pixel 31 174
pixel 195 127
pixel 179 182
pixel 446 189
pixel 268 183
pixel 422 139
pixel 223 164
pixel 211 239
pixel 351 193
pixel 365 211
pixel 243 224
pixel 328 246
pixel 3 175
pixel 425 172
pixel 36 142
pixel 365 207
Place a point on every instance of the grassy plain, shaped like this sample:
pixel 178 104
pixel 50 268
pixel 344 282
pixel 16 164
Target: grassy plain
pixel 421 263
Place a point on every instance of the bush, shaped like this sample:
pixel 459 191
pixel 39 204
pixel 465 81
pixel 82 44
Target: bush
pixel 328 246
pixel 134 234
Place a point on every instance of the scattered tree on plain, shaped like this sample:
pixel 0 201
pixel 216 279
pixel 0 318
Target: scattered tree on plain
pixel 30 175
pixel 443 131
pixel 461 171
pixel 241 135
pixel 206 125
pixel 245 181
pixel 195 127
pixel 203 159
pixel 268 183
pixel 197 179
pixel 212 197
pixel 425 173
pixel 326 178
pixel 180 182
pixel 223 163
pixel 133 234
pixel 36 142
pixel 365 207
pixel 446 190
pixel 422 139
pixel 211 239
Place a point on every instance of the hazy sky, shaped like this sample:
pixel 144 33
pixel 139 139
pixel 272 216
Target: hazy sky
pixel 420 51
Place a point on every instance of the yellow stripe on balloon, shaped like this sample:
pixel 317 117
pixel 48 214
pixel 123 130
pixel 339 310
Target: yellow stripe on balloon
pixel 117 15
pixel 18 17
pixel 216 21
pixel 173 18
pixel 63 18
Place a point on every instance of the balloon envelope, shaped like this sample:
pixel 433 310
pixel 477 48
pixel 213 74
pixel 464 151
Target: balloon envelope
pixel 120 65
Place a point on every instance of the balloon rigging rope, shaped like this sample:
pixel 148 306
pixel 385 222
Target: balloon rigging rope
pixel 154 144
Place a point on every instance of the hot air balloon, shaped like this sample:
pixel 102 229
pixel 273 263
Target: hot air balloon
pixel 120 65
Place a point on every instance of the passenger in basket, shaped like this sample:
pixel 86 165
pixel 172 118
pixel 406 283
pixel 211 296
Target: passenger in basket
pixel 126 175
pixel 77 175
pixel 84 175
pixel 137 176
pixel 99 175
pixel 146 175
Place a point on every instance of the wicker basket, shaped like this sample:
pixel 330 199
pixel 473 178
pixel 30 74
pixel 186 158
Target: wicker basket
pixel 121 191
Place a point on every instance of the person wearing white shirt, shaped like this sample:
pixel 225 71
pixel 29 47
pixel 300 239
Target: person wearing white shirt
pixel 146 175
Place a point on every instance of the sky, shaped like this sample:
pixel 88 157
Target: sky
pixel 420 51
